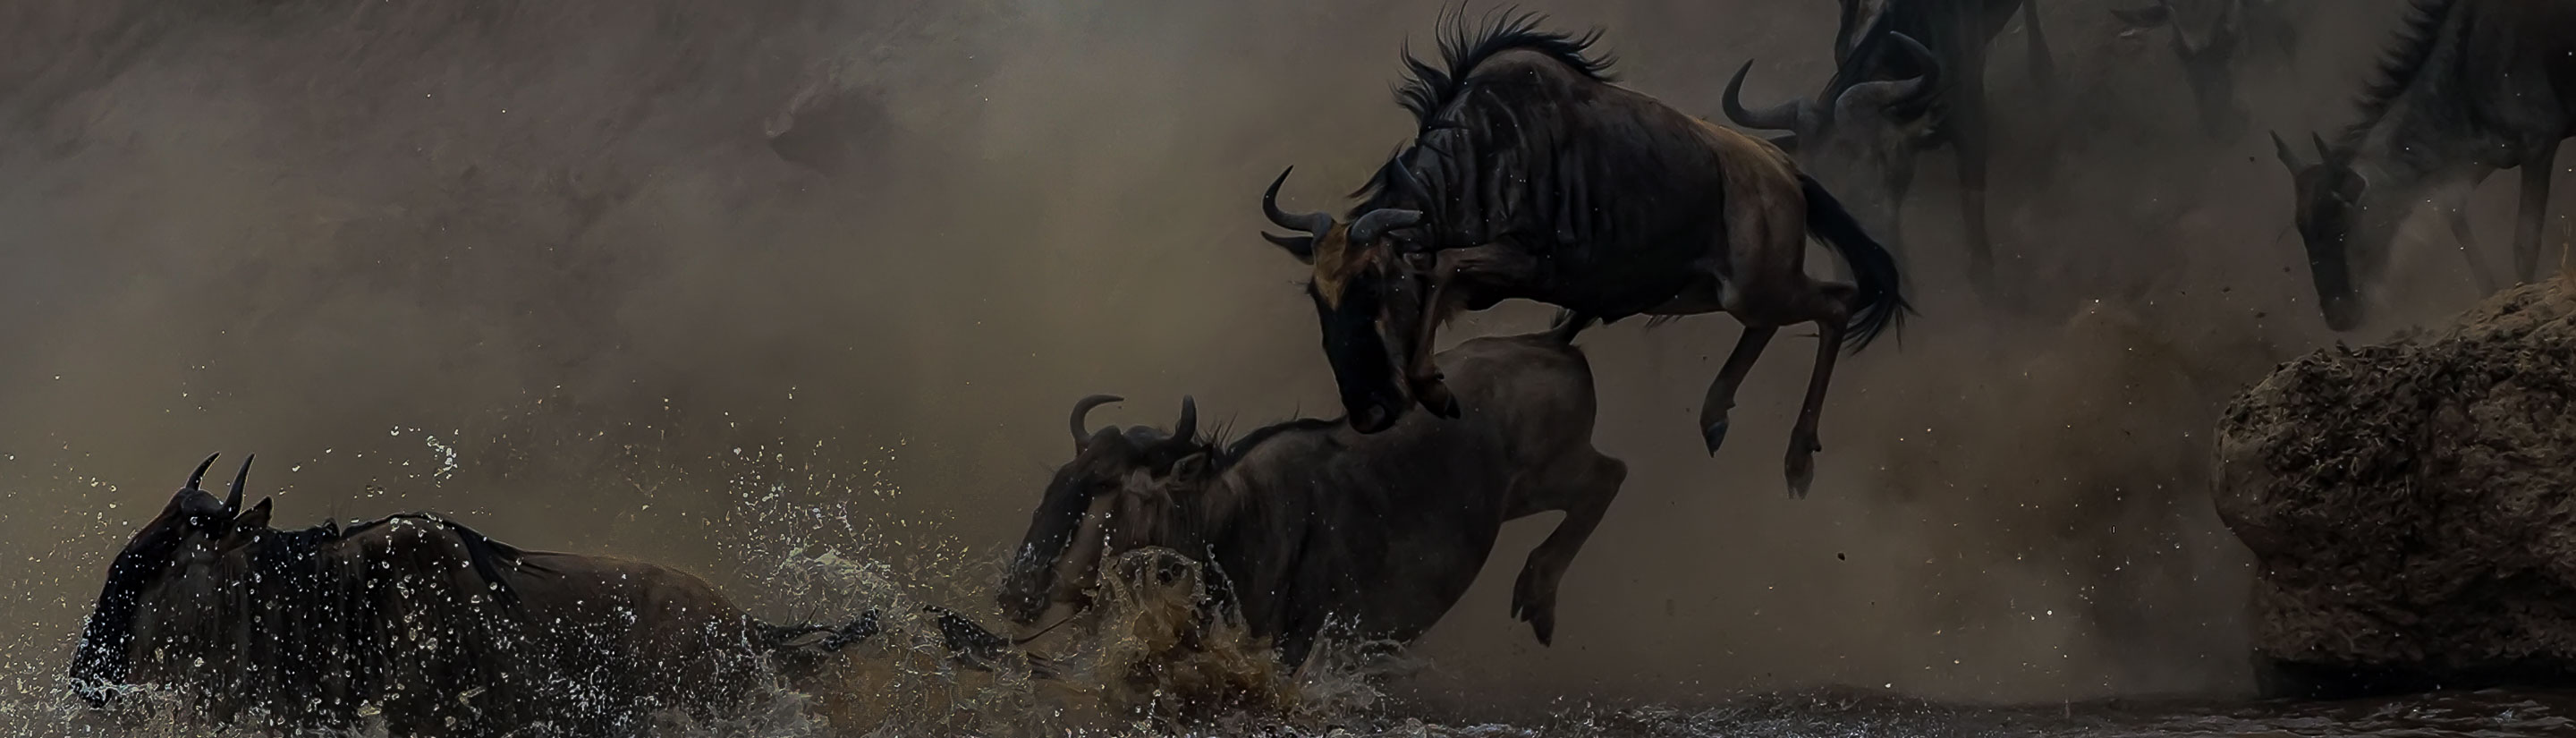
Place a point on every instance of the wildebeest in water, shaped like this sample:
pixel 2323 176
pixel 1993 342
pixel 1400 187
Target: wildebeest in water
pixel 1909 75
pixel 1532 176
pixel 1308 520
pixel 419 620
pixel 2469 87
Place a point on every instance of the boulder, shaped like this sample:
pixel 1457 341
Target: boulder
pixel 2412 505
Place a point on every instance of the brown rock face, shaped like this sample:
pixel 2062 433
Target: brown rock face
pixel 2413 504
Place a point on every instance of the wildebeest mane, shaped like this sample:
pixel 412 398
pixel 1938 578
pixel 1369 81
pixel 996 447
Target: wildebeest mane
pixel 1238 448
pixel 1428 90
pixel 2399 65
pixel 486 554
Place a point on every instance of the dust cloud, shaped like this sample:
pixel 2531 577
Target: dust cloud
pixel 600 276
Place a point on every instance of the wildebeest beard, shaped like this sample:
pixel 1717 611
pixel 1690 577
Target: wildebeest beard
pixel 418 619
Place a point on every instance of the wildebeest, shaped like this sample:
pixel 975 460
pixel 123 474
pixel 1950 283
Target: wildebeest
pixel 420 620
pixel 1909 75
pixel 1532 176
pixel 1307 520
pixel 2468 87
pixel 2210 38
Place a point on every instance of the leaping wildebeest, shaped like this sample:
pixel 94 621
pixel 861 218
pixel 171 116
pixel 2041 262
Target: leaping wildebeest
pixel 419 620
pixel 2469 87
pixel 1308 521
pixel 1909 75
pixel 1533 176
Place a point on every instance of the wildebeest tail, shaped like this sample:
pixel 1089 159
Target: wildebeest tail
pixel 1878 307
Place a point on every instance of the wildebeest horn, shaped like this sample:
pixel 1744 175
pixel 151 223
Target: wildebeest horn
pixel 232 502
pixel 2289 158
pixel 1782 117
pixel 1082 409
pixel 1930 82
pixel 1188 427
pixel 2326 154
pixel 200 473
pixel 1379 221
pixel 1314 224
pixel 1906 92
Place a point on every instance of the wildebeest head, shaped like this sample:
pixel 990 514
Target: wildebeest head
pixel 1860 135
pixel 1368 291
pixel 1096 505
pixel 2345 238
pixel 2207 35
pixel 193 526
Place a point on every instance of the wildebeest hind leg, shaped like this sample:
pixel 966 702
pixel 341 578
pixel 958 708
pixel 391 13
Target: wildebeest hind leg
pixel 2536 169
pixel 1584 493
pixel 1721 393
pixel 1833 304
pixel 2455 209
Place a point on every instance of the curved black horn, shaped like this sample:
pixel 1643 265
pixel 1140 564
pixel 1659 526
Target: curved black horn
pixel 1082 409
pixel 1914 92
pixel 1188 427
pixel 232 501
pixel 2326 153
pixel 1312 223
pixel 2288 158
pixel 1927 85
pixel 200 473
pixel 1781 117
pixel 1366 230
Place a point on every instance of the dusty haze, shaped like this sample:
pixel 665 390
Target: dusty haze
pixel 641 264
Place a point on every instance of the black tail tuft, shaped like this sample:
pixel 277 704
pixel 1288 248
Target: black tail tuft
pixel 1878 308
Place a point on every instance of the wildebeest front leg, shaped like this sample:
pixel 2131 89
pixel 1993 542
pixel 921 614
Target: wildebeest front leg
pixel 1721 393
pixel 2536 168
pixel 2455 209
pixel 2043 70
pixel 1421 375
pixel 1455 275
pixel 1970 140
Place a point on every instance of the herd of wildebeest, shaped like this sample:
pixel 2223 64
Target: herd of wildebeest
pixel 1531 175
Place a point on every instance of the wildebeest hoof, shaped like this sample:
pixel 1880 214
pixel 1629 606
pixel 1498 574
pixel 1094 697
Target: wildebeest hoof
pixel 1715 435
pixel 1802 473
pixel 1534 602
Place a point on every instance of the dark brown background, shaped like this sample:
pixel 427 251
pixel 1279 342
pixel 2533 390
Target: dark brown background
pixel 556 237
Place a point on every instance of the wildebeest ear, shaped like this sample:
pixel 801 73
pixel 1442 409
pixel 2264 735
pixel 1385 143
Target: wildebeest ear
pixel 2288 158
pixel 1302 247
pixel 255 519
